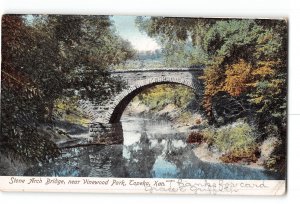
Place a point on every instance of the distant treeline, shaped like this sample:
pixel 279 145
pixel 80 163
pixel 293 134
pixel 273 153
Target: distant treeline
pixel 149 55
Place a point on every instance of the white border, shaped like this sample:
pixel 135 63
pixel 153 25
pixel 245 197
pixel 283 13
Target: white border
pixel 201 8
pixel 143 185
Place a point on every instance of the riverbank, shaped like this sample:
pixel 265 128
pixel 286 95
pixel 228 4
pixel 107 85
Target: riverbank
pixel 233 144
pixel 65 132
pixel 182 120
pixel 206 154
pixel 242 147
pixel 59 133
pixel 151 149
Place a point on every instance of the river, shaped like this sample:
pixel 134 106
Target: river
pixel 151 149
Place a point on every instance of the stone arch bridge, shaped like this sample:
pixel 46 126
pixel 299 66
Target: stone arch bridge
pixel 107 116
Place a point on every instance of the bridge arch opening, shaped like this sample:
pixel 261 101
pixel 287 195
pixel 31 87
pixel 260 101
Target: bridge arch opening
pixel 127 96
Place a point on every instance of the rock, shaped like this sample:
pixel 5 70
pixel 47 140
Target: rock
pixel 136 108
pixel 268 146
pixel 204 154
pixel 170 111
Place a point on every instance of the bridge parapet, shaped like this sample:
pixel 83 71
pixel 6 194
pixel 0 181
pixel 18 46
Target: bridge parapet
pixel 168 69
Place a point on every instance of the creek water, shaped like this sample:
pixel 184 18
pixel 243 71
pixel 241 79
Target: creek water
pixel 151 149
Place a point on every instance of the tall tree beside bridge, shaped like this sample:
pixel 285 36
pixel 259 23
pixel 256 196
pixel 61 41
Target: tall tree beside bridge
pixel 47 57
pixel 246 62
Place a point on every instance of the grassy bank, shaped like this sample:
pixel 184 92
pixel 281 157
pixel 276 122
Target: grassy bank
pixel 239 143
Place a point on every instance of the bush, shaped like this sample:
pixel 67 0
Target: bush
pixel 236 141
pixel 185 118
pixel 195 137
pixel 250 154
pixel 159 96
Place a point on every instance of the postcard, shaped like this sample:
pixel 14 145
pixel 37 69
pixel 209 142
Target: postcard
pixel 143 104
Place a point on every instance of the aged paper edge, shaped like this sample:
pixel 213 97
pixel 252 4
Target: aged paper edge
pixel 142 185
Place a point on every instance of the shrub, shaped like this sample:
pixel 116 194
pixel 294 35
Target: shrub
pixel 159 96
pixel 185 117
pixel 195 137
pixel 238 136
pixel 236 142
pixel 209 135
pixel 251 154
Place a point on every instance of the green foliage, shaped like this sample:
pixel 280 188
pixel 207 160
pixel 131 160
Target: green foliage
pixel 159 96
pixel 246 58
pixel 235 137
pixel 183 54
pixel 185 117
pixel 245 74
pixel 176 39
pixel 236 141
pixel 44 58
pixel 142 60
pixel 67 109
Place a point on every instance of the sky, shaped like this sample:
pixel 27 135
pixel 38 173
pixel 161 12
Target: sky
pixel 127 29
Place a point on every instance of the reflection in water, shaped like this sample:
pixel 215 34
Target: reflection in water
pixel 151 149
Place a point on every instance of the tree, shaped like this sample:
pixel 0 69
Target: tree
pixel 247 59
pixel 44 58
pixel 20 97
